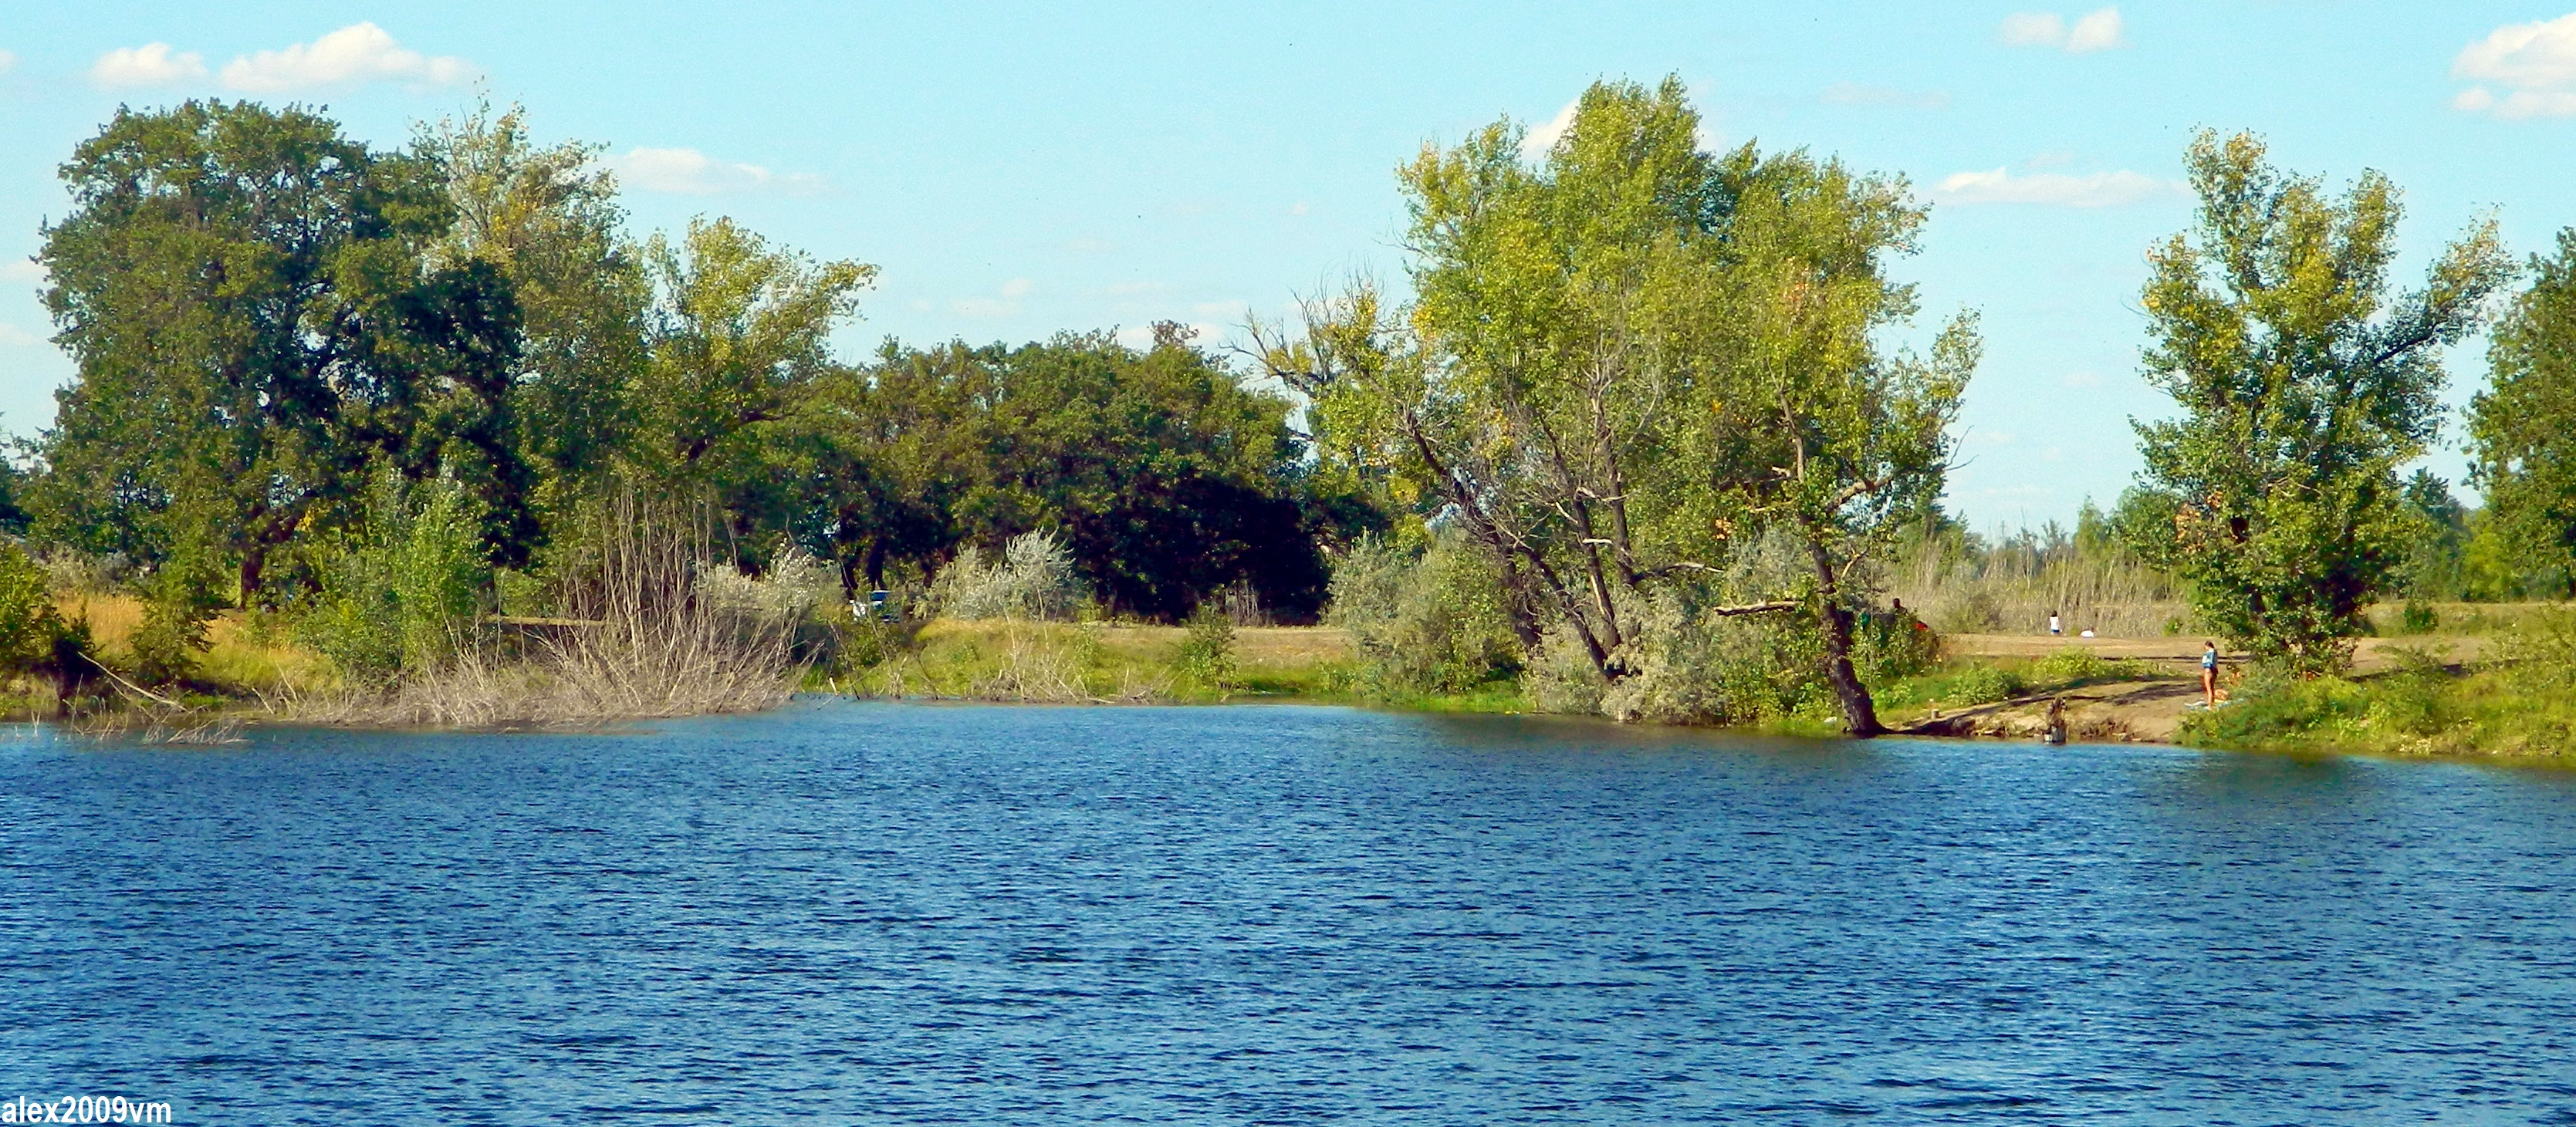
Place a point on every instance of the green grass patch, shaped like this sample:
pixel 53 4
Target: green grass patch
pixel 2422 708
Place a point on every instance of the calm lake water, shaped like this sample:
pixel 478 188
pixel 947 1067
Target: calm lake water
pixel 848 913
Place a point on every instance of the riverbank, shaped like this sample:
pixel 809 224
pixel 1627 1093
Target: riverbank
pixel 2438 695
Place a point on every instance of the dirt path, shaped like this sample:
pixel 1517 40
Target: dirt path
pixel 2182 654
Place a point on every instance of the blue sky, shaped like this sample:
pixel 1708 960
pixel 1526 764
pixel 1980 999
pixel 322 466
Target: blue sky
pixel 1017 170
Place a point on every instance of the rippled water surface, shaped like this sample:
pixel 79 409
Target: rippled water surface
pixel 842 913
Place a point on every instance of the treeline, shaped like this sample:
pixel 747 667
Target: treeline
pixel 1640 441
pixel 291 346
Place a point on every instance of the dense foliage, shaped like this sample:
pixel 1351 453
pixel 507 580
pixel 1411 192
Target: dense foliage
pixel 1626 363
pixel 2305 384
pixel 304 362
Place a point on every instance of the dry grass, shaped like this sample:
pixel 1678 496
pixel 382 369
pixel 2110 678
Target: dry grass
pixel 2008 591
pixel 653 646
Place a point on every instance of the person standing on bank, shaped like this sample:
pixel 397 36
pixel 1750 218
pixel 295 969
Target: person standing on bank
pixel 2209 674
pixel 2054 626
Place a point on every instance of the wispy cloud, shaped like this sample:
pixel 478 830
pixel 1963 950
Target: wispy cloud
pixel 21 270
pixel 152 64
pixel 2535 63
pixel 2053 189
pixel 15 337
pixel 8 60
pixel 1859 94
pixel 688 172
pixel 1002 306
pixel 2098 30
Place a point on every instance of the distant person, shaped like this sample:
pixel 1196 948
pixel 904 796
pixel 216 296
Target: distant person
pixel 2209 674
pixel 2055 626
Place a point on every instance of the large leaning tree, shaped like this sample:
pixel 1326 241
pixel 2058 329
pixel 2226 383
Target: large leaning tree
pixel 2304 383
pixel 1628 360
pixel 257 327
pixel 2523 428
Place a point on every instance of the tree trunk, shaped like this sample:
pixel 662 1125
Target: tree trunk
pixel 1860 714
pixel 253 563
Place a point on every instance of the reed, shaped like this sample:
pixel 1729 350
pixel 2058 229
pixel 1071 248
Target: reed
pixel 1963 585
pixel 638 635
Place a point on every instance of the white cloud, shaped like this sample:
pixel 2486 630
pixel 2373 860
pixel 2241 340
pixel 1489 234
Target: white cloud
pixel 1857 94
pixel 1542 137
pixel 2534 62
pixel 1017 288
pixel 1088 245
pixel 1122 289
pixel 2054 189
pixel 2098 30
pixel 152 64
pixel 357 54
pixel 15 337
pixel 7 60
pixel 1298 208
pixel 2034 29
pixel 21 270
pixel 2083 379
pixel 688 172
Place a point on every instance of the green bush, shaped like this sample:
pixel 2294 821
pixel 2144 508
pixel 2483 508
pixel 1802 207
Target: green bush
pixel 2418 618
pixel 1207 651
pixel 400 592
pixel 180 602
pixel 1985 684
pixel 1431 622
pixel 28 621
pixel 2080 663
pixel 1890 646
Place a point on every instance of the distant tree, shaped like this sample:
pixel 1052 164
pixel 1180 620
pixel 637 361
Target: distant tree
pixel 255 323
pixel 2522 429
pixel 2434 561
pixel 2304 384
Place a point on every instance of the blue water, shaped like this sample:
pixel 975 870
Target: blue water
pixel 866 913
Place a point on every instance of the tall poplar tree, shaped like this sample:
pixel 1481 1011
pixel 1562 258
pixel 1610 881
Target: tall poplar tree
pixel 2304 383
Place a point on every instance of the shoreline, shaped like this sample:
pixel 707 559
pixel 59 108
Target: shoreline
pixel 2116 691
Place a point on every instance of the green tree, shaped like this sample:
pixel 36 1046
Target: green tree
pixel 2304 384
pixel 738 330
pixel 2522 429
pixel 548 219
pixel 1628 361
pixel 255 323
